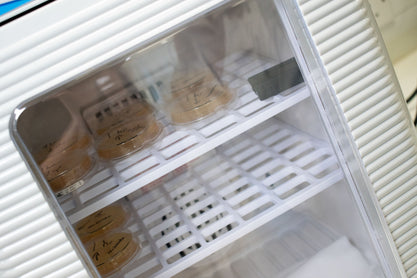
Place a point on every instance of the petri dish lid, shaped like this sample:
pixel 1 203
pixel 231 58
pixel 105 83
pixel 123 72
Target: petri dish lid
pixel 111 252
pixel 65 169
pixel 101 222
pixel 128 137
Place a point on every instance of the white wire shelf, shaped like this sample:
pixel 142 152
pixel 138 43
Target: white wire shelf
pixel 113 181
pixel 226 194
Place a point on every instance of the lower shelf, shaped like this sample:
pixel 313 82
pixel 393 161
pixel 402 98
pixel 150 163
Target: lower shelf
pixel 275 250
pixel 225 195
pixel 291 246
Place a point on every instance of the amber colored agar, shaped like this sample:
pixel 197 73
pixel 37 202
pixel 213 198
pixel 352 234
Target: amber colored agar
pixel 101 222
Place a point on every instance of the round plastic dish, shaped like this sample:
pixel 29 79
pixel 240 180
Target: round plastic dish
pixel 65 171
pixel 76 141
pixel 128 137
pixel 199 97
pixel 137 109
pixel 101 222
pixel 113 251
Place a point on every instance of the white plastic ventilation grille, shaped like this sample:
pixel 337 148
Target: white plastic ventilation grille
pixel 226 194
pixel 32 242
pixel 84 40
pixel 371 102
pixel 180 146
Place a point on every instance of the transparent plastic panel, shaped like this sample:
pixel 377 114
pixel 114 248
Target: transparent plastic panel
pixel 108 133
pixel 307 241
pixel 189 147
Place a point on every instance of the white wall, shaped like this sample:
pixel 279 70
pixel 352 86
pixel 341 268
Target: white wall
pixel 397 20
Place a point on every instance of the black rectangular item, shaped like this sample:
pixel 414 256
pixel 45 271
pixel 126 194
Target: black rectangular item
pixel 276 79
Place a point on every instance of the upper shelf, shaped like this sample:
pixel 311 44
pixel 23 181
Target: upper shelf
pixel 114 181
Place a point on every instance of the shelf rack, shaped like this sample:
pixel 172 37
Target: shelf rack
pixel 113 181
pixel 224 195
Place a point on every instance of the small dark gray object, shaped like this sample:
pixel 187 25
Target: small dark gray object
pixel 276 79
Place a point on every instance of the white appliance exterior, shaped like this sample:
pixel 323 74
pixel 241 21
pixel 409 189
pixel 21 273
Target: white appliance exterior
pixel 368 94
pixel 68 38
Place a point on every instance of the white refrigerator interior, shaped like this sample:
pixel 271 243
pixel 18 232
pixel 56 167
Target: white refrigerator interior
pixel 203 139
